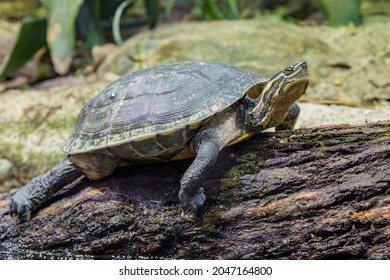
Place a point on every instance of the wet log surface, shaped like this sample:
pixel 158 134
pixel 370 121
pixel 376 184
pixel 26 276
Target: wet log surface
pixel 318 193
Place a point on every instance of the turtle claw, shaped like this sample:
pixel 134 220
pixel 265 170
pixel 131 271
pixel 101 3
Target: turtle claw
pixel 192 203
pixel 185 215
pixel 21 206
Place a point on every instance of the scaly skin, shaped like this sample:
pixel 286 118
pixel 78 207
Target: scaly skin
pixel 42 188
pixel 191 193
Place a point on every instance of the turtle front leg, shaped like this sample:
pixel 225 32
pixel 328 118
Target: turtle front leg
pixel 41 188
pixel 191 193
pixel 291 118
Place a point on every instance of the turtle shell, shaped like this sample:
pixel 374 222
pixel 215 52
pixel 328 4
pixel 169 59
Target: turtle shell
pixel 154 101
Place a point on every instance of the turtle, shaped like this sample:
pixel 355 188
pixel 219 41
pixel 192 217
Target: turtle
pixel 170 112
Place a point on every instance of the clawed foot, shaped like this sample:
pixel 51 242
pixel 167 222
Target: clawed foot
pixel 191 203
pixel 22 205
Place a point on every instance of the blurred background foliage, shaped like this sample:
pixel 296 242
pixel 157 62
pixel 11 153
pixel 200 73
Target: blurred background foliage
pixel 56 28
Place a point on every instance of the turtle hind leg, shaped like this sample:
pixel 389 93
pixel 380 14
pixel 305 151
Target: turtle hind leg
pixel 191 193
pixel 41 188
pixel 291 118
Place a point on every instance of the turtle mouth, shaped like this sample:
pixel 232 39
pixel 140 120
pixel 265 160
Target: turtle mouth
pixel 296 73
pixel 300 67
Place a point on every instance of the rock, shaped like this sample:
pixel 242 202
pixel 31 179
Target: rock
pixel 319 114
pixel 99 53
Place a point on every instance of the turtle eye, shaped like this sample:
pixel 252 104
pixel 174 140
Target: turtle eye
pixel 289 70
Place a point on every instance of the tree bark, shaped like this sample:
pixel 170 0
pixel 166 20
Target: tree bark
pixel 315 193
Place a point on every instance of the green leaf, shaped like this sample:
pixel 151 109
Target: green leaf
pixel 61 33
pixel 213 10
pixel 88 24
pixel 234 11
pixel 116 21
pixel 168 8
pixel 153 12
pixel 340 12
pixel 31 37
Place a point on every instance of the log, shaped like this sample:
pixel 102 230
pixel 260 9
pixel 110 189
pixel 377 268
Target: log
pixel 314 193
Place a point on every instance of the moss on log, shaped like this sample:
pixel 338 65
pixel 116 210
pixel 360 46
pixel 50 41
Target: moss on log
pixel 316 193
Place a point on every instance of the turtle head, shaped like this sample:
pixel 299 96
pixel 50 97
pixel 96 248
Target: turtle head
pixel 270 108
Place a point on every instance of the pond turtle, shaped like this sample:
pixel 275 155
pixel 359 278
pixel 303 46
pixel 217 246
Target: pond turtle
pixel 170 112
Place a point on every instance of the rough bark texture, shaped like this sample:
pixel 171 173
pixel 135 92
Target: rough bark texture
pixel 319 193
